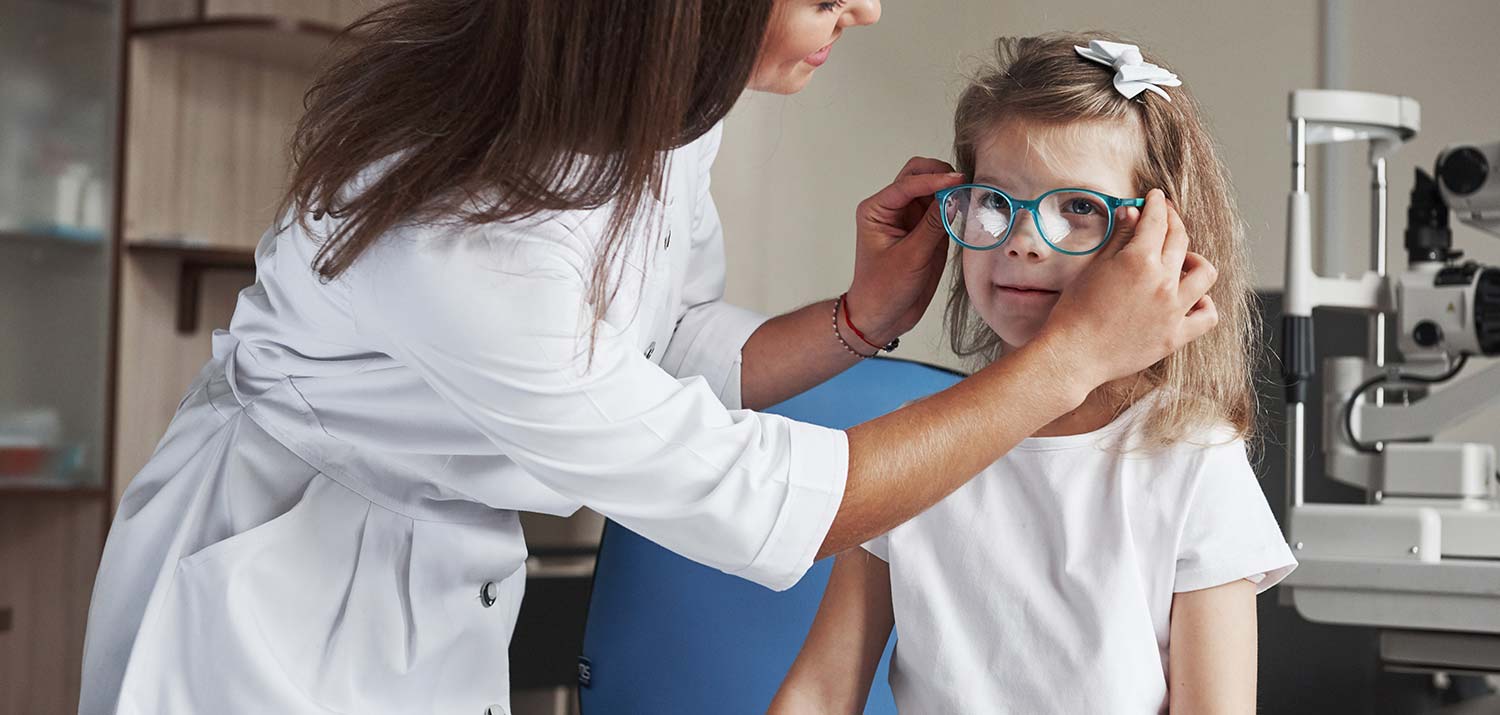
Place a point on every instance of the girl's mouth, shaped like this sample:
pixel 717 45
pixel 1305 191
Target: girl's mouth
pixel 817 59
pixel 1025 293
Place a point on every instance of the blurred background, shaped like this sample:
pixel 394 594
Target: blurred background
pixel 142 151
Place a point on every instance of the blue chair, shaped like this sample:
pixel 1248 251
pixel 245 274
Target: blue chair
pixel 667 636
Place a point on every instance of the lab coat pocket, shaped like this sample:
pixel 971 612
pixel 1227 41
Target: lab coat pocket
pixel 259 618
pixel 250 539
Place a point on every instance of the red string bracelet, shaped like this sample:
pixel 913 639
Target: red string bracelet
pixel 888 347
pixel 840 337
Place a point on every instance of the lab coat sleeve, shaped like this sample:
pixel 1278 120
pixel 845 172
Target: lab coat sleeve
pixel 497 322
pixel 1229 532
pixel 710 333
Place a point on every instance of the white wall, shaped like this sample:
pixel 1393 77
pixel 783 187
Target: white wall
pixel 792 168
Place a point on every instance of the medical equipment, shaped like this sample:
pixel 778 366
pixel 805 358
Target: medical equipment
pixel 1421 559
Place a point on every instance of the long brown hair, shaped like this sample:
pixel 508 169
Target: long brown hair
pixel 1043 81
pixel 498 110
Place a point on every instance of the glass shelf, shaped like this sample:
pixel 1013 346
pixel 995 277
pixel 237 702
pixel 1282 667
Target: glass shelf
pixel 65 239
pixel 58 109
pixel 50 489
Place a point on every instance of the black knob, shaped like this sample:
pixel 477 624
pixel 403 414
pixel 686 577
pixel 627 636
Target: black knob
pixel 1464 170
pixel 1427 334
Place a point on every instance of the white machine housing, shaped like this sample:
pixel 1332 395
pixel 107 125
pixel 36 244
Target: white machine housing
pixel 1421 559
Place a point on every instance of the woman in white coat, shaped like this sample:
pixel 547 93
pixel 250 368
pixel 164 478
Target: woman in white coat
pixel 496 287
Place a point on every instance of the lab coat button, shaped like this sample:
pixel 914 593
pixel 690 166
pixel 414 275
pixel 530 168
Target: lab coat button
pixel 494 710
pixel 667 242
pixel 650 349
pixel 488 594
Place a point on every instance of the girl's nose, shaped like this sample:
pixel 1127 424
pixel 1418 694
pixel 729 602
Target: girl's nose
pixel 1024 241
pixel 860 12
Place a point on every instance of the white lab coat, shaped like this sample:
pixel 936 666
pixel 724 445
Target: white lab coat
pixel 330 523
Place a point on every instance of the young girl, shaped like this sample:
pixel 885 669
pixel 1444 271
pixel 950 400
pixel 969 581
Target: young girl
pixel 1108 564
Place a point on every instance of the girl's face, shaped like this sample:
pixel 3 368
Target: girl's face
pixel 1014 286
pixel 799 38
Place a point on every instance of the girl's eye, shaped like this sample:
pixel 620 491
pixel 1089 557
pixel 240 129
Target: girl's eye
pixel 1081 207
pixel 992 200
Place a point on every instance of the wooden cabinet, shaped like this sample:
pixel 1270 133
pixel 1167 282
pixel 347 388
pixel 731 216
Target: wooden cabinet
pixel 142 154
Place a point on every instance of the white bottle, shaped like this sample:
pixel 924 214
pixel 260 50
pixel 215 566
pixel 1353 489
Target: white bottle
pixel 92 214
pixel 68 198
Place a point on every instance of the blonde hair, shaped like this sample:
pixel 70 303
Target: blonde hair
pixel 1043 81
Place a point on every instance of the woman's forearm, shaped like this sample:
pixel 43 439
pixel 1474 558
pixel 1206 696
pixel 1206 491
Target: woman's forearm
pixel 908 460
pixel 792 353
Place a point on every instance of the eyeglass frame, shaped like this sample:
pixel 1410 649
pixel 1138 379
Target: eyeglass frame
pixel 1113 202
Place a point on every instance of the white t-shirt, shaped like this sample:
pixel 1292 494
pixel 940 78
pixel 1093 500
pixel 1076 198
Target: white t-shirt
pixel 1045 584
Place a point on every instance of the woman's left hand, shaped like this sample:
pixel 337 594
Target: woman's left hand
pixel 901 250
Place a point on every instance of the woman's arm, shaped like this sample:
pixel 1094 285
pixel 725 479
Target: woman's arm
pixel 833 671
pixel 1213 650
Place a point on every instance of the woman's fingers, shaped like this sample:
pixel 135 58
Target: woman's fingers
pixel 1129 309
pixel 1203 317
pixel 1175 247
pixel 1125 221
pixel 925 165
pixel 1150 233
pixel 900 247
pixel 1198 277
pixel 887 203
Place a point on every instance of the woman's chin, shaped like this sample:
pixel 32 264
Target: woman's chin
pixel 789 82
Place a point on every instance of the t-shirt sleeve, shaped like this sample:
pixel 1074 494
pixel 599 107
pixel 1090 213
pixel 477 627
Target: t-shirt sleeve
pixel 1229 532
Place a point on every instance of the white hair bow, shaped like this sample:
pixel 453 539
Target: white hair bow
pixel 1132 73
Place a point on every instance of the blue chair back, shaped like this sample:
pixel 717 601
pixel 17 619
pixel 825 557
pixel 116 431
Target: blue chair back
pixel 668 636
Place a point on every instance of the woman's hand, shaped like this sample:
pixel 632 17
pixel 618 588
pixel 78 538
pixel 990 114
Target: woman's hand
pixel 1141 300
pixel 901 250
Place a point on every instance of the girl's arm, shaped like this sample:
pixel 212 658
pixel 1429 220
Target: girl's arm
pixel 1212 651
pixel 832 673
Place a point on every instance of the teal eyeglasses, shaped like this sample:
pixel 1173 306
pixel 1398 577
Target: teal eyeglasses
pixel 1072 221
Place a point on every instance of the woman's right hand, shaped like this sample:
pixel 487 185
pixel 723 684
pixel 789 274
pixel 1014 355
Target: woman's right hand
pixel 1141 300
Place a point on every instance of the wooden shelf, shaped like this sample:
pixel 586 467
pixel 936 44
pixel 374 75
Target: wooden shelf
pixel 301 44
pixel 207 254
pixel 194 259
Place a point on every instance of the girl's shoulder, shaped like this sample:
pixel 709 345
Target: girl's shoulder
pixel 1138 429
pixel 1213 448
